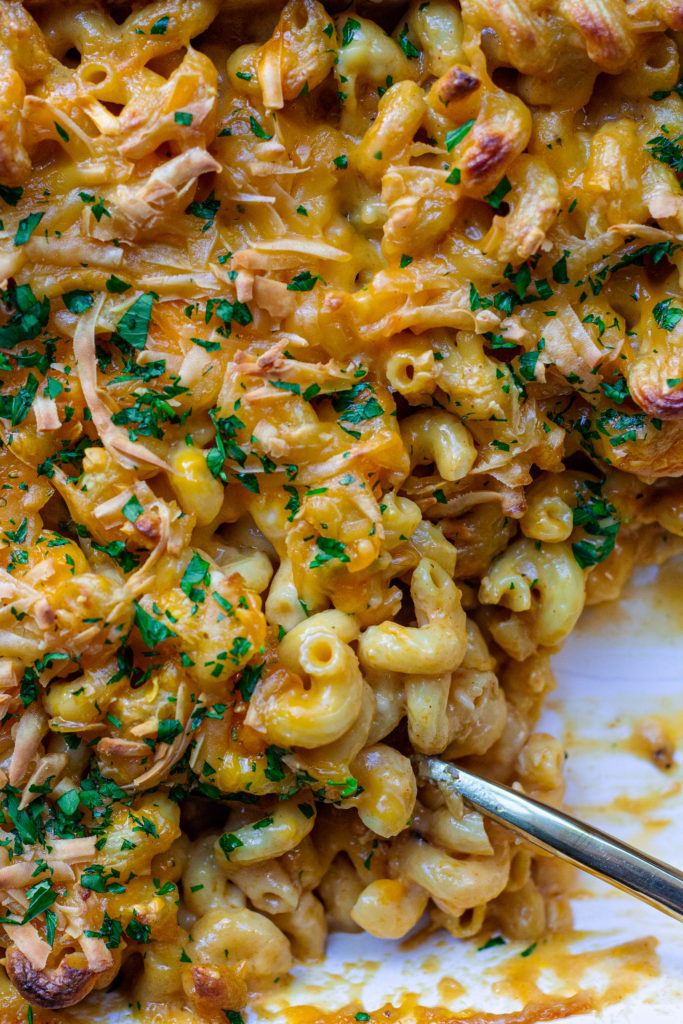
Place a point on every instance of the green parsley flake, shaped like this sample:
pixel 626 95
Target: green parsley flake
pixel 350 30
pixel 240 649
pixel 600 519
pixel 78 300
pixel 205 210
pixel 16 407
pixel 274 770
pixel 328 549
pixel 229 842
pixel 411 51
pixel 152 631
pixel 496 197
pixel 666 315
pixel 11 194
pixel 115 286
pixel 68 803
pixel 197 572
pixel 134 324
pixel 456 135
pixel 257 129
pixel 137 931
pixel 26 227
pixel 667 150
pixel 303 281
pixel 132 510
pixel 250 676
pixel 617 391
pixel 351 409
pixel 168 729
pixel 41 896
pixel 560 275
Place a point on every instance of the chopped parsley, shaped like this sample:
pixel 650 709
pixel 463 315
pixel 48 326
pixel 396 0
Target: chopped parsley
pixel 27 226
pixel 496 197
pixel 667 150
pixel 197 572
pixel 168 729
pixel 528 360
pixel 240 649
pixel 137 931
pixel 96 205
pixel 132 510
pixel 249 677
pixel 152 631
pixel 117 550
pixel 560 275
pixel 599 518
pixel 617 391
pixel 11 194
pixel 15 407
pixel 303 281
pixel 354 410
pixel 257 130
pixel 77 301
pixel 666 315
pixel 111 931
pixel 456 135
pixel 410 50
pixel 41 896
pixel 229 842
pixel 329 549
pixel 351 27
pixel 205 210
pixel 274 770
pixel 28 691
pixel 134 324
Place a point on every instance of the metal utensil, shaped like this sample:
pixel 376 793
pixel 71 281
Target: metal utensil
pixel 588 848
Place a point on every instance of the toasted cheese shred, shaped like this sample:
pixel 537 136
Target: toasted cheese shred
pixel 129 453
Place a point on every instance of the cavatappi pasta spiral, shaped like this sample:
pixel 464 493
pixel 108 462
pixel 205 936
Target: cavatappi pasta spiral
pixel 342 364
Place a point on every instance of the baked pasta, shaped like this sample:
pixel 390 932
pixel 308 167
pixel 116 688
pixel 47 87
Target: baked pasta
pixel 341 361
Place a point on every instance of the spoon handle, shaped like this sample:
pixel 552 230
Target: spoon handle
pixel 588 848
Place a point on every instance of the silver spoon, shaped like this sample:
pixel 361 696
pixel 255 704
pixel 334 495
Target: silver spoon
pixel 586 847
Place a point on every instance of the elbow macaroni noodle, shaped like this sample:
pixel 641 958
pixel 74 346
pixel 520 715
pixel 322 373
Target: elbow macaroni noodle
pixel 340 366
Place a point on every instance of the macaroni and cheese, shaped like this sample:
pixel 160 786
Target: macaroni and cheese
pixel 342 364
